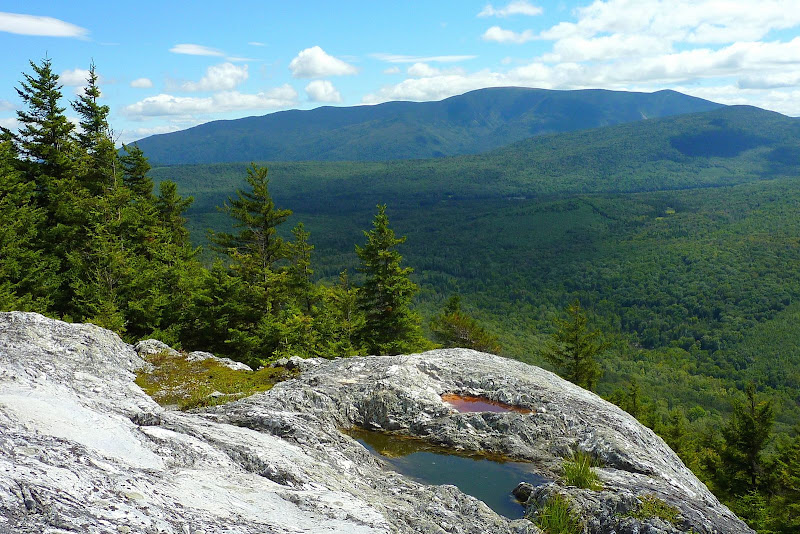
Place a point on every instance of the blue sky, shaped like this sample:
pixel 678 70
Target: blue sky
pixel 170 65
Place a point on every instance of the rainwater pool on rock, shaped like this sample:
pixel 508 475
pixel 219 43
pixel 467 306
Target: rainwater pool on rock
pixel 488 480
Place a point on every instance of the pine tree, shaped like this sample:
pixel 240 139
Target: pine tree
pixel 390 326
pixel 575 348
pixel 94 138
pixel 300 271
pixel 26 274
pixel 746 435
pixel 45 138
pixel 257 246
pixel 454 328
pixel 135 168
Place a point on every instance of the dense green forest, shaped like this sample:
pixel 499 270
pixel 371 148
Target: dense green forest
pixel 465 124
pixel 679 236
pixel 674 256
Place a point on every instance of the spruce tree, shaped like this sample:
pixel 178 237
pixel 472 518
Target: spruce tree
pixel 135 168
pixel 574 348
pixel 26 273
pixel 257 245
pixel 746 435
pixel 390 325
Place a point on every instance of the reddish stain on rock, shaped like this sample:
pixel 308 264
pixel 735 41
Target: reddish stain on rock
pixel 468 403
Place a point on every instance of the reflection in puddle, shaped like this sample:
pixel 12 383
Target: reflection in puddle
pixel 488 480
pixel 467 403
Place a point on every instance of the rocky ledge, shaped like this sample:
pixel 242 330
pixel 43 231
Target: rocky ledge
pixel 84 449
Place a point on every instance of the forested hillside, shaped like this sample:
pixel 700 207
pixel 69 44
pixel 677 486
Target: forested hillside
pixel 467 124
pixel 678 234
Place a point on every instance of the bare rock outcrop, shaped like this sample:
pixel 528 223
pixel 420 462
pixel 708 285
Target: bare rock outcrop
pixel 84 449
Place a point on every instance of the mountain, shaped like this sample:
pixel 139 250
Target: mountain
pixel 467 124
pixel 729 145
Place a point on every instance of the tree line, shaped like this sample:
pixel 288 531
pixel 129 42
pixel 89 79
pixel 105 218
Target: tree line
pixel 86 238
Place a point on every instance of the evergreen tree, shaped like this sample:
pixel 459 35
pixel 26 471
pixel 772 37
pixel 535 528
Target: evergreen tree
pixel 300 271
pixel 135 168
pixel 746 434
pixel 257 246
pixel 170 207
pixel 390 326
pixel 453 328
pixel 575 348
pixel 45 137
pixel 26 274
pixel 101 170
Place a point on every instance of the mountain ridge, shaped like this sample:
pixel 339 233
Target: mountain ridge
pixel 470 123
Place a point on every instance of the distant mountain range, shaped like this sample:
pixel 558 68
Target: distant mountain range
pixel 466 124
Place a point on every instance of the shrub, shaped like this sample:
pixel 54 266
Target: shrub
pixel 578 472
pixel 555 517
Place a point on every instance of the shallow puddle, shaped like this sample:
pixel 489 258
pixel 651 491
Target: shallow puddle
pixel 467 403
pixel 488 480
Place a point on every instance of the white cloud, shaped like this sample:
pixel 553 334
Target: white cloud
pixel 166 105
pixel 392 70
pixel 499 35
pixel 74 77
pixel 421 70
pixel 606 47
pixel 314 62
pixel 256 43
pixel 398 58
pixel 222 77
pixel 10 122
pixel 142 83
pixel 43 26
pixel 516 7
pixel 5 105
pixel 770 81
pixel 240 59
pixel 195 50
pixel 322 91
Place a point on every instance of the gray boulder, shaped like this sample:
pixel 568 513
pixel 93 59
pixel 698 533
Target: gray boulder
pixel 83 449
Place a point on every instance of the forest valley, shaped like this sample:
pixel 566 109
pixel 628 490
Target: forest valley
pixel 84 237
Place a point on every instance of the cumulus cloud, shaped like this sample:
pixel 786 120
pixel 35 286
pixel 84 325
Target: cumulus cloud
pixel 322 91
pixel 142 83
pixel 222 77
pixel 195 50
pixel 399 58
pixel 499 35
pixel 10 122
pixel 74 77
pixel 516 7
pixel 421 70
pixel 771 81
pixel 314 62
pixel 392 70
pixel 42 26
pixel 5 105
pixel 166 105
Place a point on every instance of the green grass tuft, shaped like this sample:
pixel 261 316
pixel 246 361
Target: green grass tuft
pixel 651 506
pixel 578 472
pixel 555 517
pixel 175 381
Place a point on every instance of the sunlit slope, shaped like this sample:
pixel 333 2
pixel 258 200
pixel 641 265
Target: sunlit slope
pixel 466 124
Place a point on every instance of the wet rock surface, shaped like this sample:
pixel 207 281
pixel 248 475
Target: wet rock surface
pixel 83 449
